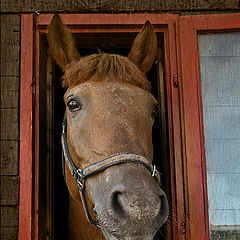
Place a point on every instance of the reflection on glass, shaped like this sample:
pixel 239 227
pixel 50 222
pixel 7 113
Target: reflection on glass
pixel 219 56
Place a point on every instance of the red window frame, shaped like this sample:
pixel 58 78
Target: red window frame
pixel 192 119
pixel 187 160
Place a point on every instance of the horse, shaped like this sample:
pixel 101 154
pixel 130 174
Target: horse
pixel 107 139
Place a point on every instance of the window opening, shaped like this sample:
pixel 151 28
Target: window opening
pixel 54 193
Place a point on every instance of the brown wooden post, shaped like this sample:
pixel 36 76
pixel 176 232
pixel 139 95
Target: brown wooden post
pixel 26 128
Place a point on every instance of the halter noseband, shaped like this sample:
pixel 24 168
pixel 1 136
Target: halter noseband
pixel 81 175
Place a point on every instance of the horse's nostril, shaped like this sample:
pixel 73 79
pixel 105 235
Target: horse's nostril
pixel 117 204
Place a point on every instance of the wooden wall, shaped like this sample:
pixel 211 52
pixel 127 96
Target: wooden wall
pixel 9 75
pixel 9 110
pixel 117 5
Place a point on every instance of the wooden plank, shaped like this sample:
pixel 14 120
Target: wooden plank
pixel 10 23
pixel 196 188
pixel 9 99
pixel 9 60
pixel 10 29
pixel 9 190
pixel 115 6
pixel 26 125
pixel 9 233
pixel 9 124
pixel 36 118
pixel 9 216
pixel 50 155
pixel 114 22
pixel 10 39
pixel 215 4
pixel 177 160
pixel 9 83
pixel 209 22
pixel 164 133
pixel 9 158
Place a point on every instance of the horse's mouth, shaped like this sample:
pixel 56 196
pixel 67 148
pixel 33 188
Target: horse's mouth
pixel 108 236
pixel 111 230
pixel 113 235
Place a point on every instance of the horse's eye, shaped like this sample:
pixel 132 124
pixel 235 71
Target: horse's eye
pixel 155 111
pixel 73 105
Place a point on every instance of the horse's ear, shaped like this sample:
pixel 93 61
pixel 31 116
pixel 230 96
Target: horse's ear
pixel 144 49
pixel 61 43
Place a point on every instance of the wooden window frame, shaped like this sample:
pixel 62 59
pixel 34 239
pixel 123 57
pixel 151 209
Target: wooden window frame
pixel 32 27
pixel 192 119
pixel 187 160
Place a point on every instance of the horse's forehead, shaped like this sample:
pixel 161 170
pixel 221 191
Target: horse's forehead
pixel 109 90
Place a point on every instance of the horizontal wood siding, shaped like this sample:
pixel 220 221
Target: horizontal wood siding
pixel 9 190
pixel 115 6
pixel 9 130
pixel 9 157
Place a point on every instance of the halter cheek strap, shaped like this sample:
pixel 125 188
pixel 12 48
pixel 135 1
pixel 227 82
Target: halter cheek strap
pixel 81 175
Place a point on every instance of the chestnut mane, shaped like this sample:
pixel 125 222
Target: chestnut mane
pixel 101 66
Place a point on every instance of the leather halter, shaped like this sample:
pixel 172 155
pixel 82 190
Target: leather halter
pixel 81 175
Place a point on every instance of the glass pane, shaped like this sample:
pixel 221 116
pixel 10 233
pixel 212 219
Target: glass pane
pixel 219 55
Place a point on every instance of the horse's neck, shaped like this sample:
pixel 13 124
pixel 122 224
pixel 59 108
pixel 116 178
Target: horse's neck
pixel 78 225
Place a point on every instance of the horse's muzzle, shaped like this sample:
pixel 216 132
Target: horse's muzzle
pixel 133 206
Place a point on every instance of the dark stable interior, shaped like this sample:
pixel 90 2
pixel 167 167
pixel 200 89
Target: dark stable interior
pixel 88 44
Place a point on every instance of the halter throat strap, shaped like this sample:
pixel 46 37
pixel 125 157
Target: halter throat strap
pixel 81 175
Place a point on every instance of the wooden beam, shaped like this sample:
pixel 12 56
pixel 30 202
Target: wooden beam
pixel 26 131
pixel 115 6
pixel 9 190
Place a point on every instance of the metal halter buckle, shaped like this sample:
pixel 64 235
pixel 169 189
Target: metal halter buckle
pixel 154 170
pixel 79 180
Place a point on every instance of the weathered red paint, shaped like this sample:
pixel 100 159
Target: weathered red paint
pixel 192 132
pixel 36 136
pixel 107 20
pixel 192 116
pixel 214 22
pixel 26 131
pixel 178 164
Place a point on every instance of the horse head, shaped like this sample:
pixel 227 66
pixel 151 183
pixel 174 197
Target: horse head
pixel 109 115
